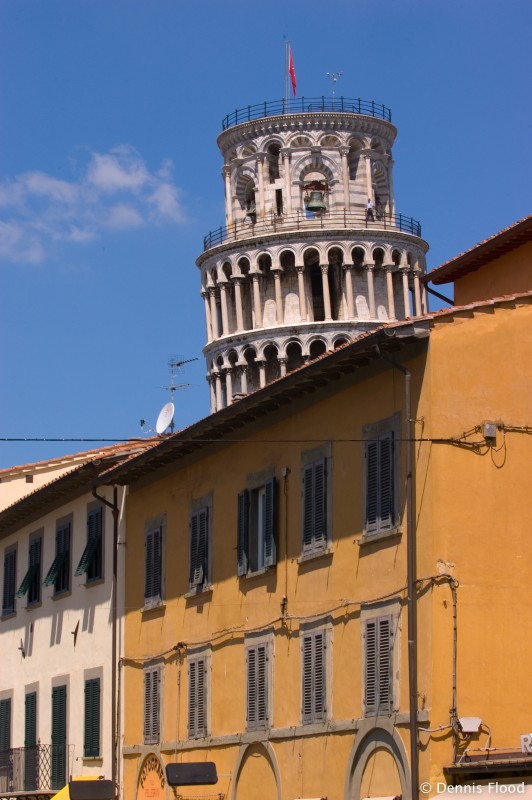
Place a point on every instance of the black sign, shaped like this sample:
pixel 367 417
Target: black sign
pixel 195 773
pixel 91 790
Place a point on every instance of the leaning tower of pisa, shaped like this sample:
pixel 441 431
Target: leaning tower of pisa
pixel 313 252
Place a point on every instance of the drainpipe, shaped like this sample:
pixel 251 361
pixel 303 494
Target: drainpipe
pixel 114 613
pixel 411 576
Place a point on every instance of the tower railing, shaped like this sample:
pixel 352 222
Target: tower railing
pixel 330 220
pixel 307 105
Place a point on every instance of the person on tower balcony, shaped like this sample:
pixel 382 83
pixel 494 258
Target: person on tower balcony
pixel 369 211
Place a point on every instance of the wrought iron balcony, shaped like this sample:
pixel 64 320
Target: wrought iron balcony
pixel 43 768
pixel 307 105
pixel 284 223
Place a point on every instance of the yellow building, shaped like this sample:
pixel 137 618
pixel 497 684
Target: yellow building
pixel 306 564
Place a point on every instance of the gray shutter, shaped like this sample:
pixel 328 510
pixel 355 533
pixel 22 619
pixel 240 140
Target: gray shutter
pixel 319 676
pixel 153 564
pixel 198 548
pixel 243 533
pixel 372 486
pixel 270 513
pixel 201 698
pixel 370 678
pixel 251 687
pixel 386 483
pixel 385 664
pixel 151 706
pixel 262 684
pixel 192 689
pixel 308 507
pixel 320 502
pixel 307 670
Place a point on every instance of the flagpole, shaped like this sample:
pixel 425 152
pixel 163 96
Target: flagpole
pixel 286 56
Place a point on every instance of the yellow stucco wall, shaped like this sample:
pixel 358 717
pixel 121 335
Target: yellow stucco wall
pixel 470 523
pixel 509 274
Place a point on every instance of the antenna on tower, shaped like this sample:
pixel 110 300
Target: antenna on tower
pixel 334 76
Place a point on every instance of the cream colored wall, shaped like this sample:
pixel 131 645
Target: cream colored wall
pixel 509 274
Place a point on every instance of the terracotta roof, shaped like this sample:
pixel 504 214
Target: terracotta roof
pixel 84 455
pixel 471 260
pixel 66 487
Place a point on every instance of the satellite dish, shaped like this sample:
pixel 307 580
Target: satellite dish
pixel 165 417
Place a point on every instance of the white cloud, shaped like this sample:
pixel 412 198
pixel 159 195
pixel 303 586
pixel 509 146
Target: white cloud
pixel 112 193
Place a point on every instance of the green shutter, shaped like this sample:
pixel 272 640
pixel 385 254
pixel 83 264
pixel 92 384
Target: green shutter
pixel 58 574
pixel 31 580
pixel 59 723
pixel 31 761
pixel 5 724
pixel 91 739
pixel 242 544
pixel 10 577
pixel 86 559
pixel 270 554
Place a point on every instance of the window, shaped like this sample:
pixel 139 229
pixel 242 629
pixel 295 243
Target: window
pixel 314 676
pixel 10 577
pixel 152 705
pixel 316 500
pixel 197 695
pixel 59 572
pixel 258 679
pixel 153 562
pixel 91 562
pixel 378 661
pixel 381 476
pixel 31 762
pixel 91 738
pixel 31 583
pixel 256 548
pixel 5 724
pixel 199 572
pixel 59 736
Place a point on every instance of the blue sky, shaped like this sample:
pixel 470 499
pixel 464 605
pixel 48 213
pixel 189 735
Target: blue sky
pixel 110 172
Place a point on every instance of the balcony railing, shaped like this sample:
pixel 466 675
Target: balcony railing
pixel 307 105
pixel 41 768
pixel 242 229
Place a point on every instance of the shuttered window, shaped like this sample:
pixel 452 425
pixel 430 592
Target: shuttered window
pixel 153 564
pixel 59 572
pixel 5 724
pixel 197 696
pixel 314 676
pixel 59 737
pixel 256 531
pixel 30 742
pixel 91 561
pixel 152 705
pixel 91 733
pixel 31 583
pixel 10 577
pixel 315 506
pixel 257 686
pixel 378 666
pixel 199 549
pixel 380 513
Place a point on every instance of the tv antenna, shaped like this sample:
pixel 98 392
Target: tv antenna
pixel 165 419
pixel 334 76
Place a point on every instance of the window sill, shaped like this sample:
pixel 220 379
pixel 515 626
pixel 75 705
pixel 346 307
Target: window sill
pixel 311 555
pixel 94 582
pixel 60 595
pixel 153 604
pixel 256 573
pixel 197 591
pixel 8 615
pixel 92 759
pixel 35 604
pixel 369 538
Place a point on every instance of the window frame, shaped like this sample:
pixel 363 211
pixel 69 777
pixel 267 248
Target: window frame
pixel 316 487
pixel 315 650
pixel 257 524
pixel 200 552
pixel 152 705
pixel 198 693
pixel 9 586
pixel 381 478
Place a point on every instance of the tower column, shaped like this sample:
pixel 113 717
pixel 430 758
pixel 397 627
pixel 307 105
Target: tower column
pixel 369 182
pixel 207 316
pixel 278 295
pixel 262 373
pixel 282 364
pixel 391 201
pixel 326 293
pixel 219 403
pixel 260 173
pixel 210 381
pixel 369 267
pixel 417 293
pixel 349 290
pixel 228 199
pixel 229 385
pixel 389 290
pixel 301 292
pixel 244 379
pixel 256 300
pixel 287 179
pixel 214 312
pixel 406 292
pixel 344 152
pixel 237 281
pixel 225 315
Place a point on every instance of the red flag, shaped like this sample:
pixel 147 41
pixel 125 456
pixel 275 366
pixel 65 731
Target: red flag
pixel 291 70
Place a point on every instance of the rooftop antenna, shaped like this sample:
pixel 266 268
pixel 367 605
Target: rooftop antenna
pixel 176 364
pixel 334 76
